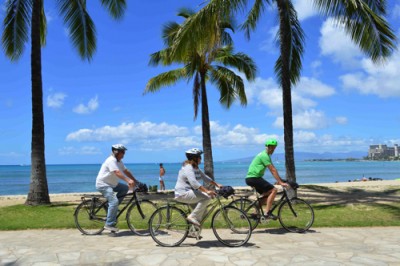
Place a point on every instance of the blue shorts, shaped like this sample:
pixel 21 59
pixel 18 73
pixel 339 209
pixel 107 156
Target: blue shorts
pixel 260 184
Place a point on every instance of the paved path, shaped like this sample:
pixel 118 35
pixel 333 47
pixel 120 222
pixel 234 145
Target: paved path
pixel 321 246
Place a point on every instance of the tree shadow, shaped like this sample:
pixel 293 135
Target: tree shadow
pixel 280 231
pixel 325 195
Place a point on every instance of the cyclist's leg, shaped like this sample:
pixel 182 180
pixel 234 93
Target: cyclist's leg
pixel 195 197
pixel 265 189
pixel 121 190
pixel 112 199
pixel 270 199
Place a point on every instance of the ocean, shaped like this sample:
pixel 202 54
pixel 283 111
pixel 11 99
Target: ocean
pixel 74 178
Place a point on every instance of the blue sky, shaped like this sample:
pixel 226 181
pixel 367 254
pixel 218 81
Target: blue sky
pixel 342 103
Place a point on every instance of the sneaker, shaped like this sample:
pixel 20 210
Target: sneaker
pixel 193 221
pixel 111 228
pixel 270 216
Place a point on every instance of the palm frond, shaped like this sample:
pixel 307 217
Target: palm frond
pixel 116 8
pixel 80 25
pixel 186 12
pixel 16 27
pixel 240 61
pixel 295 34
pixel 169 32
pixel 165 79
pixel 253 17
pixel 365 23
pixel 230 86
pixel 340 8
pixel 162 57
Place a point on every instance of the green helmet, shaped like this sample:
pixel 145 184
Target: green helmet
pixel 271 142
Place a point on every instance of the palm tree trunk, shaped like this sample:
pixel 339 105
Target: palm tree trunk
pixel 205 124
pixel 38 190
pixel 285 39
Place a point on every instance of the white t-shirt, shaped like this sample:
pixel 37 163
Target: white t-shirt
pixel 106 176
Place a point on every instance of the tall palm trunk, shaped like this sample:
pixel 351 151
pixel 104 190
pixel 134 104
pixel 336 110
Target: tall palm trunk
pixel 285 41
pixel 38 190
pixel 205 124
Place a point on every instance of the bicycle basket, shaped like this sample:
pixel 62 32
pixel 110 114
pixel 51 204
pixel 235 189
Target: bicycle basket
pixel 226 191
pixel 141 187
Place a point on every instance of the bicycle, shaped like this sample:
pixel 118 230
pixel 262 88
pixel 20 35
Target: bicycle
pixel 169 227
pixel 90 215
pixel 294 214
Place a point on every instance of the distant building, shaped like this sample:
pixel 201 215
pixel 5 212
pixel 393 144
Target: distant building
pixel 383 151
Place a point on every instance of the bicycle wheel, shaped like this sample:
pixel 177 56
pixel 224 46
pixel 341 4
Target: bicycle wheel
pixel 231 226
pixel 90 217
pixel 138 216
pixel 168 226
pixel 296 215
pixel 252 211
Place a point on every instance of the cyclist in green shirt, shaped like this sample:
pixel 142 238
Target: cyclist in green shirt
pixel 255 174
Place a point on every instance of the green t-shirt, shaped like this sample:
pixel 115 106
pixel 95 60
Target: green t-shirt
pixel 259 164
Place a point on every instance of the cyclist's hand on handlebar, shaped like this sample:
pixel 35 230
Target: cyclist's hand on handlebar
pixel 131 183
pixel 211 193
pixel 283 184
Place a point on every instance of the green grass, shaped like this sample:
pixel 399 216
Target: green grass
pixel 60 216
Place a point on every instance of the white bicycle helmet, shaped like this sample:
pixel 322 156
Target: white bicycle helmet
pixel 118 147
pixel 193 153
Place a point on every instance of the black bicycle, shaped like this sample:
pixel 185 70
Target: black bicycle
pixel 294 214
pixel 169 227
pixel 91 213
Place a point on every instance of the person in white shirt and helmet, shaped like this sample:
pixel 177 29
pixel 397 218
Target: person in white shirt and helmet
pixel 107 183
pixel 188 188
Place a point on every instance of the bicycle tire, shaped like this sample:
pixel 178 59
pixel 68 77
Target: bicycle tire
pixel 138 221
pixel 168 226
pixel 296 215
pixel 252 211
pixel 231 226
pixel 88 223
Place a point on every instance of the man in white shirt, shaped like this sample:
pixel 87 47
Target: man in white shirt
pixel 107 182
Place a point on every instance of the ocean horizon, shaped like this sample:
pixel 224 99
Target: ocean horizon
pixel 76 178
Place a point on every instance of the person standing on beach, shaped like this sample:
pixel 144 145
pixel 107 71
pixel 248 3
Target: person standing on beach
pixel 255 174
pixel 161 178
pixel 107 182
pixel 188 188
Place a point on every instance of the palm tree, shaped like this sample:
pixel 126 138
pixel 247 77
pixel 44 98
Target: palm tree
pixel 363 21
pixel 22 14
pixel 203 60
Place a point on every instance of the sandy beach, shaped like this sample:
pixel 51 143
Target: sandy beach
pixel 386 190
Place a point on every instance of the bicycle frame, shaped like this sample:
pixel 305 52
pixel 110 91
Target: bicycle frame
pixel 274 205
pixel 216 203
pixel 94 211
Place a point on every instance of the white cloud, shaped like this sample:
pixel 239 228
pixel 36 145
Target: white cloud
pixel 334 42
pixel 128 132
pixel 85 150
pixel 92 105
pixel 237 135
pixel 396 12
pixel 341 120
pixel 314 87
pixel 56 100
pixel 269 45
pixel 316 67
pixel 310 119
pixel 377 79
pixel 305 9
pixel 267 92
